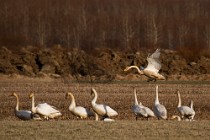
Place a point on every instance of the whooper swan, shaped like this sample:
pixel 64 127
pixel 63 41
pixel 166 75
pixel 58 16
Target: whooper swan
pixel 149 112
pixel 103 119
pixel 44 109
pixel 24 114
pixel 191 106
pixel 185 111
pixel 138 110
pixel 101 109
pixel 78 111
pixel 159 109
pixel 152 69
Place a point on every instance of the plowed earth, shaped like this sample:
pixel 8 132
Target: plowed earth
pixel 118 95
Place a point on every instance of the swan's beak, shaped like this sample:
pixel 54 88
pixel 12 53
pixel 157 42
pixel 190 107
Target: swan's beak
pixel 13 94
pixel 125 69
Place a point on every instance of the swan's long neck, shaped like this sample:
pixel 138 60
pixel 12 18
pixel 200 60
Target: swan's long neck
pixel 93 102
pixel 135 67
pixel 191 104
pixel 156 98
pixel 17 104
pixel 33 105
pixel 135 97
pixel 179 98
pixel 96 116
pixel 73 104
pixel 178 118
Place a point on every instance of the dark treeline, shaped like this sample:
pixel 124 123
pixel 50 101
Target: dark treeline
pixel 124 24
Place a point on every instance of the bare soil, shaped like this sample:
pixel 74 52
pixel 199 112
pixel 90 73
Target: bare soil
pixel 118 95
pixel 99 64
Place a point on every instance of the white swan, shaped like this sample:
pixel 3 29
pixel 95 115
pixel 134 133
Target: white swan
pixel 101 109
pixel 78 110
pixel 185 111
pixel 159 109
pixel 24 114
pixel 141 111
pixel 44 109
pixel 152 69
pixel 103 119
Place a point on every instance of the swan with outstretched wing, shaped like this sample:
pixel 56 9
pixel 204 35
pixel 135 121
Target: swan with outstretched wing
pixel 152 69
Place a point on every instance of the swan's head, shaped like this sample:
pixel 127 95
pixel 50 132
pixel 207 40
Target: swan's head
pixel 126 69
pixel 177 92
pixel 14 94
pixel 68 94
pixel 93 91
pixel 31 95
pixel 156 87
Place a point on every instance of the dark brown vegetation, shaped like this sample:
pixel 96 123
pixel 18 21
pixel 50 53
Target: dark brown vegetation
pixel 128 25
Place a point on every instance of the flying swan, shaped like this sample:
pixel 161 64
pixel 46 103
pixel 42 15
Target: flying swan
pixel 24 114
pixel 152 69
pixel 78 111
pixel 44 109
pixel 159 109
pixel 101 109
pixel 185 111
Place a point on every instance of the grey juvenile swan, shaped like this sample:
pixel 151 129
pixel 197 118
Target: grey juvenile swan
pixel 140 110
pixel 152 69
pixel 24 114
pixel 159 109
pixel 185 111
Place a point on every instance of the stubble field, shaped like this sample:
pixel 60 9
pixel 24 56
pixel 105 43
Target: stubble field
pixel 118 95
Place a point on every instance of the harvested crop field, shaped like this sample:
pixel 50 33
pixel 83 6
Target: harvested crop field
pixel 118 95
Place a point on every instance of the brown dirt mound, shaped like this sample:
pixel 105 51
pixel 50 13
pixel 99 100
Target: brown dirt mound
pixel 99 65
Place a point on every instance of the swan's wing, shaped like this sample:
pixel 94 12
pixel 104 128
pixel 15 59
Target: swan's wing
pixel 23 114
pixel 160 111
pixel 84 112
pixel 149 111
pixel 139 111
pixel 102 109
pixel 46 109
pixel 154 63
pixel 186 111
